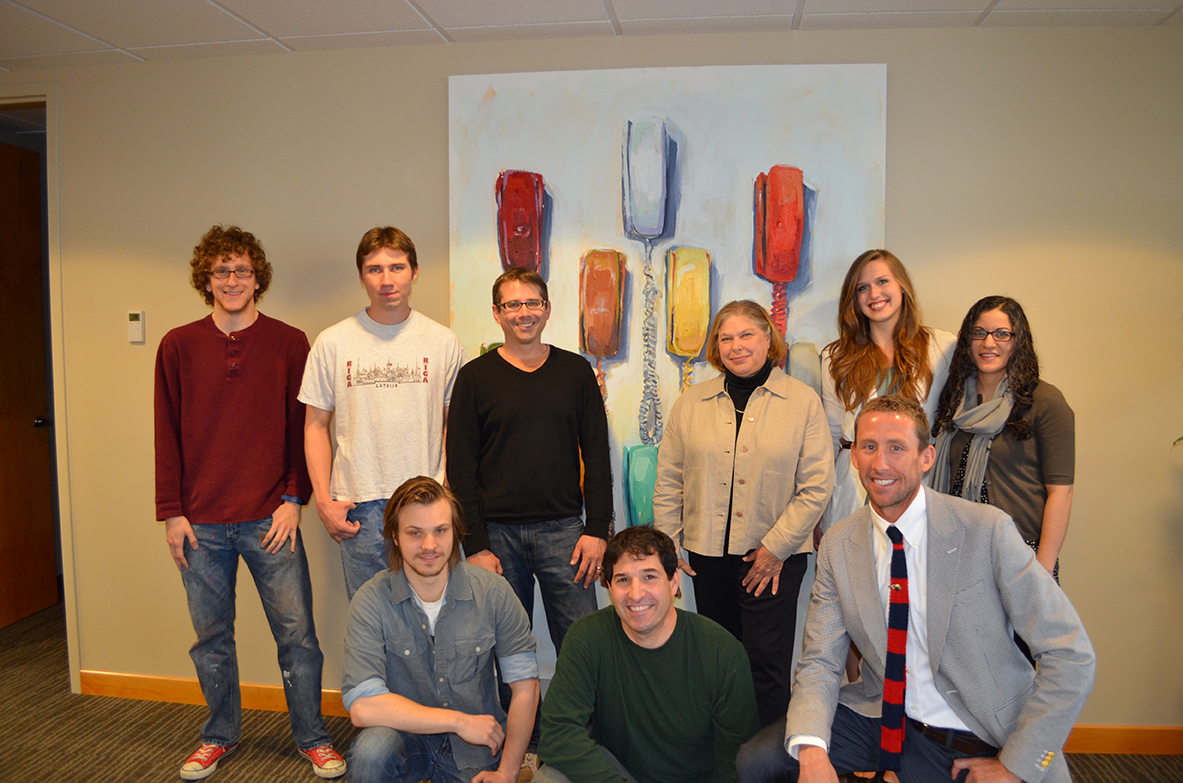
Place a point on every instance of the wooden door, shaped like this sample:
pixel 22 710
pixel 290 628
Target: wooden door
pixel 28 563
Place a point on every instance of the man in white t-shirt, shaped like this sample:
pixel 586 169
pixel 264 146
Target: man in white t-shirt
pixel 386 375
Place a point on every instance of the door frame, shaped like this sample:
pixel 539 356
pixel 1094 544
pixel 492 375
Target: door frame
pixel 47 93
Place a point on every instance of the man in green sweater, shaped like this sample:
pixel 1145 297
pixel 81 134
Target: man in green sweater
pixel 644 692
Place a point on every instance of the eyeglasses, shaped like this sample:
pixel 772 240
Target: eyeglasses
pixel 241 272
pixel 977 334
pixel 529 304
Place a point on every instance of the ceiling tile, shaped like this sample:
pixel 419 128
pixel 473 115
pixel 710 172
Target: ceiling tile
pixel 867 6
pixel 710 24
pixel 307 43
pixel 217 49
pixel 886 21
pixel 473 13
pixel 682 9
pixel 129 23
pixel 1073 18
pixel 23 33
pixel 104 57
pixel 532 31
pixel 1076 5
pixel 283 18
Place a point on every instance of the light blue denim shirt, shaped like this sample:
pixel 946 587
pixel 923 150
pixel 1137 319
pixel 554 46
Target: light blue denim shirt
pixel 388 648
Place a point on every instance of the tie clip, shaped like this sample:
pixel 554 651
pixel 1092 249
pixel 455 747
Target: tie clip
pixel 895 587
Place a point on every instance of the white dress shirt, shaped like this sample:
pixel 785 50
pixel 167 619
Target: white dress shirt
pixel 922 701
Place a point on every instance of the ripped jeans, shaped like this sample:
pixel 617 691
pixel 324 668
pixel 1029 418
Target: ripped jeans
pixel 286 590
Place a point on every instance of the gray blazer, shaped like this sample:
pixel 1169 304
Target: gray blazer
pixel 980 576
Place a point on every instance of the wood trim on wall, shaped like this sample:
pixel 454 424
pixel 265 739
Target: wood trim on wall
pixel 1145 740
pixel 182 690
pixel 1133 740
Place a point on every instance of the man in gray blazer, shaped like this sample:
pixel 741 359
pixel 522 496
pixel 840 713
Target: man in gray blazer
pixel 975 708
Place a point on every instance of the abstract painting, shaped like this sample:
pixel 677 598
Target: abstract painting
pixel 648 198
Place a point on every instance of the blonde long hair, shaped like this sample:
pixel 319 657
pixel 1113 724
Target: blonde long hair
pixel 856 363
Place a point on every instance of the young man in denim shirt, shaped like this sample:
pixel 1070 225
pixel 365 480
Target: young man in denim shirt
pixel 231 482
pixel 420 648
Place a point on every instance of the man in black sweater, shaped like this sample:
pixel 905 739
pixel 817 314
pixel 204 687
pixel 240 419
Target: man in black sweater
pixel 521 418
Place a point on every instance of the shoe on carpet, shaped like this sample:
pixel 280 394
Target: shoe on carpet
pixel 204 760
pixel 326 762
pixel 530 765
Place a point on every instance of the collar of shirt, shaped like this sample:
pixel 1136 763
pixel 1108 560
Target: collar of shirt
pixel 922 700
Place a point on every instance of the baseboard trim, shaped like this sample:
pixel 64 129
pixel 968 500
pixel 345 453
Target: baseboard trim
pixel 1129 740
pixel 182 690
pixel 1126 740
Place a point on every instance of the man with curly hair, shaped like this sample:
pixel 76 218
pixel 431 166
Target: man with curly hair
pixel 231 483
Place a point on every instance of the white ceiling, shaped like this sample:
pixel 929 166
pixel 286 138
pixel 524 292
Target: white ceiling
pixel 64 33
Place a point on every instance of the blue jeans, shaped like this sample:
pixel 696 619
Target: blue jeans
pixel 854 746
pixel 365 554
pixel 286 590
pixel 542 550
pixel 384 755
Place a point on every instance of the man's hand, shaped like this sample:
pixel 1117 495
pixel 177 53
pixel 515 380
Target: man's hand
pixel 983 770
pixel 480 730
pixel 685 568
pixel 495 776
pixel 817 536
pixel 815 765
pixel 176 531
pixel 589 553
pixel 765 568
pixel 486 559
pixel 332 513
pixel 284 524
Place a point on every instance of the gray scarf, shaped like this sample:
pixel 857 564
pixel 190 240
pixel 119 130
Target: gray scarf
pixel 984 422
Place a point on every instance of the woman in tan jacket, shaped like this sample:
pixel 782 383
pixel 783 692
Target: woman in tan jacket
pixel 744 472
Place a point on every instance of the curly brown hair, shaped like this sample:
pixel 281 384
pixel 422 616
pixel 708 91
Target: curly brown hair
pixel 219 243
pixel 1022 369
pixel 856 362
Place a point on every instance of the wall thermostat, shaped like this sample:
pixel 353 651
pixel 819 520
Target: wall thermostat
pixel 135 327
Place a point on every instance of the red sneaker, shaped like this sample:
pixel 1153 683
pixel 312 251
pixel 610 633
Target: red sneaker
pixel 204 760
pixel 326 762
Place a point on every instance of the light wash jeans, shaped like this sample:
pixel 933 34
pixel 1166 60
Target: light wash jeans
pixel 365 554
pixel 384 755
pixel 286 589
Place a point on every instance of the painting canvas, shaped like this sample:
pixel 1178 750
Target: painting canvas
pixel 648 198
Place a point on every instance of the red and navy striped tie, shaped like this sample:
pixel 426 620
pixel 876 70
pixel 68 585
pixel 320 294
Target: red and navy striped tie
pixel 891 738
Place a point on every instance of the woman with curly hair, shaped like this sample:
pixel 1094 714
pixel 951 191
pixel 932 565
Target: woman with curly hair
pixel 882 348
pixel 1005 437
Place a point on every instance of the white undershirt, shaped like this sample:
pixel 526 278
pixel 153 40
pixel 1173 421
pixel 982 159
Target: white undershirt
pixel 430 608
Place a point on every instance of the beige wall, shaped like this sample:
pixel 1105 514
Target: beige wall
pixel 1045 164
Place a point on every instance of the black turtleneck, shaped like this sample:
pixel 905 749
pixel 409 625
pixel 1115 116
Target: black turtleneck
pixel 740 389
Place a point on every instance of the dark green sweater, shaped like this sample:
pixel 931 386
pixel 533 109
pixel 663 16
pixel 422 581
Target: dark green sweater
pixel 677 713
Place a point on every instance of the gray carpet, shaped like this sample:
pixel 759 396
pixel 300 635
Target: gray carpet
pixel 53 735
pixel 60 736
